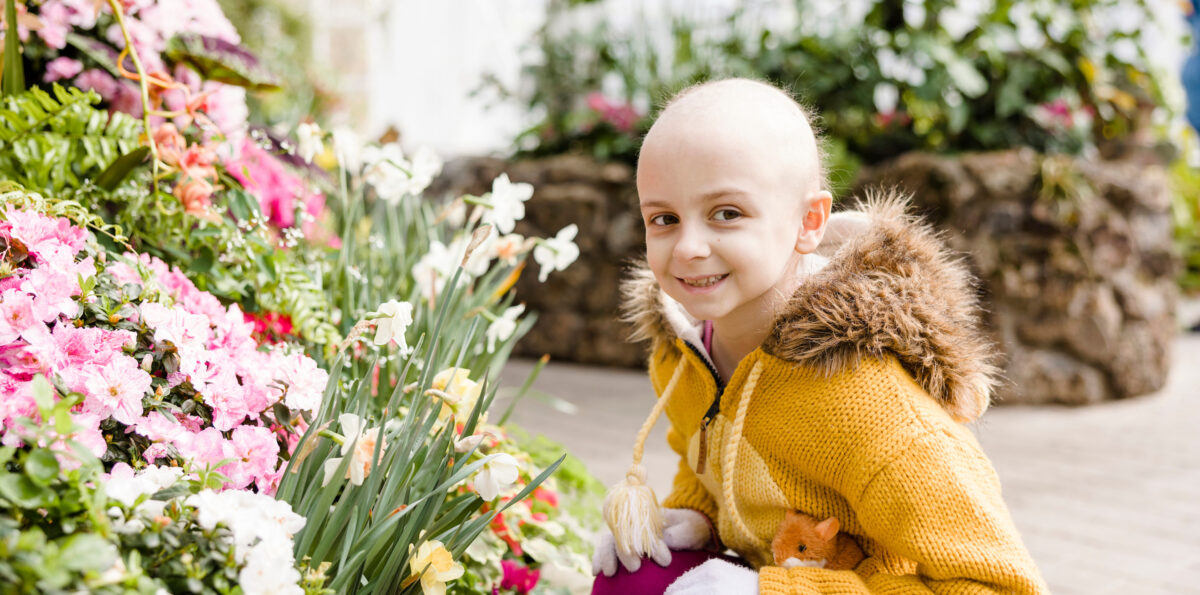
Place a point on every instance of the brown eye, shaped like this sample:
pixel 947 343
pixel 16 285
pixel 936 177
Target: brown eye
pixel 802 547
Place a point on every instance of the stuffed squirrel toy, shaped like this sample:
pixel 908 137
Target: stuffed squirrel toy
pixel 803 541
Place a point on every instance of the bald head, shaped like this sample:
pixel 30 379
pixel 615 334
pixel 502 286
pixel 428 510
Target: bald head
pixel 742 113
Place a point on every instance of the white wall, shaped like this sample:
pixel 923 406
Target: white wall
pixel 419 62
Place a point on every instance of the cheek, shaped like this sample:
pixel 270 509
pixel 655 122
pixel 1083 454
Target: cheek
pixel 658 254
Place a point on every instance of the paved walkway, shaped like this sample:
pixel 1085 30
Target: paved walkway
pixel 1107 497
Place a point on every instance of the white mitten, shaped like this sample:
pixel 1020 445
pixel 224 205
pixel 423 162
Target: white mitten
pixel 606 556
pixel 715 577
pixel 686 529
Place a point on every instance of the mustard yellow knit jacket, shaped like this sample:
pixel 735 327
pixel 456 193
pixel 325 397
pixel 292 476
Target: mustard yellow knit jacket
pixel 852 408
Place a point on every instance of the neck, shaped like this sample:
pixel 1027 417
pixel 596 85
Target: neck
pixel 744 329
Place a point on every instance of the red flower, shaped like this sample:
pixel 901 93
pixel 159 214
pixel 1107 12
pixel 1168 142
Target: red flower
pixel 521 579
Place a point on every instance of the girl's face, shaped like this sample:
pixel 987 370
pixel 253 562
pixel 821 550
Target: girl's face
pixel 725 225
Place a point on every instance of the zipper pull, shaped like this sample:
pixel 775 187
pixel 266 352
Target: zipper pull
pixel 702 456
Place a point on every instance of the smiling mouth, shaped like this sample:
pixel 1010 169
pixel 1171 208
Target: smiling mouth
pixel 703 281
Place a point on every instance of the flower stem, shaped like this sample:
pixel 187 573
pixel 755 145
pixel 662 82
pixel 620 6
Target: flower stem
pixel 115 5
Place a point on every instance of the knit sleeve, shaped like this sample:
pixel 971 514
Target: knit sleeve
pixel 686 490
pixel 938 504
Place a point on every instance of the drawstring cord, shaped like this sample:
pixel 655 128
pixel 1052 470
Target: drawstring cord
pixel 729 458
pixel 631 508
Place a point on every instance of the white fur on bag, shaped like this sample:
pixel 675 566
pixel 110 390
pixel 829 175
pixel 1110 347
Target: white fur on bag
pixel 715 577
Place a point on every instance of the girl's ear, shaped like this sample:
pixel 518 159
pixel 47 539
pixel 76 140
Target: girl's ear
pixel 812 227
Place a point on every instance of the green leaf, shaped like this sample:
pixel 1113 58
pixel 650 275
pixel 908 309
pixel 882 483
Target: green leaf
pixel 219 60
pixel 203 262
pixel 41 466
pixel 115 173
pixel 22 492
pixel 88 552
pixel 14 70
pixel 243 205
pixel 100 53
pixel 43 395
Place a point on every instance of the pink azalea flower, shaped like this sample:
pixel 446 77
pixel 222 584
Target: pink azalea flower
pixel 156 451
pixel 62 67
pixel 277 188
pixel 117 389
pixel 40 233
pixel 159 427
pixel 229 405
pixel 52 290
pixel 16 315
pixel 123 273
pixel 305 381
pixel 94 79
pixel 16 400
pixel 206 447
pixel 181 328
pixel 87 433
pixel 257 453
pixel 55 18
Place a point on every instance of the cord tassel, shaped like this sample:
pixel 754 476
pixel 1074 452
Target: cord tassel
pixel 631 509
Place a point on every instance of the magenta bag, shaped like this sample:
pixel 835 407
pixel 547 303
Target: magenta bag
pixel 652 579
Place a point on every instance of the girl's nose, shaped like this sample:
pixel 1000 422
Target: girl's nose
pixel 692 244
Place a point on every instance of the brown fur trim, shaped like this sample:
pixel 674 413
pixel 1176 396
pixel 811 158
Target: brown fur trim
pixel 640 305
pixel 894 289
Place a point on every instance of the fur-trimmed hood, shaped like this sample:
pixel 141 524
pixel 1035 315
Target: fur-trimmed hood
pixel 891 286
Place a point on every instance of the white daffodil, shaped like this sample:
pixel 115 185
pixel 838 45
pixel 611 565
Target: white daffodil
pixel 507 248
pixel 499 473
pixel 503 327
pixel 359 444
pixel 387 171
pixel 348 148
pixel 433 269
pixel 507 203
pixel 308 137
pixel 556 253
pixel 394 322
pixel 426 165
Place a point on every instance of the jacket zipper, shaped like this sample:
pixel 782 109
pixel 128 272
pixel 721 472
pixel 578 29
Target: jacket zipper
pixel 713 410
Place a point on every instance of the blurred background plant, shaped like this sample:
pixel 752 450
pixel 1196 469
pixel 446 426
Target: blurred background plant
pixel 280 34
pixel 933 75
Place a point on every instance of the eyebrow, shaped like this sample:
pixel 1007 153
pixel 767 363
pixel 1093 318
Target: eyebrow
pixel 707 196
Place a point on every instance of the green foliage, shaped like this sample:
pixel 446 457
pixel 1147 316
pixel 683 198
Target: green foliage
pixel 886 76
pixel 280 35
pixel 52 143
pixel 1185 211
pixel 13 73
pixel 61 533
pixel 221 61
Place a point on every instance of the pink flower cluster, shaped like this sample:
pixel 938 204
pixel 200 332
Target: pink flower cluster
pixel 151 24
pixel 213 358
pixel 277 189
pixel 622 116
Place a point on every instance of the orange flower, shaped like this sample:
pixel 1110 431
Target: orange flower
pixel 169 142
pixel 194 194
pixel 198 162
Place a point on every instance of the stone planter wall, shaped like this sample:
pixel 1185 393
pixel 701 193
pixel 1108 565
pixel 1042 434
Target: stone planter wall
pixel 577 308
pixel 1076 261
